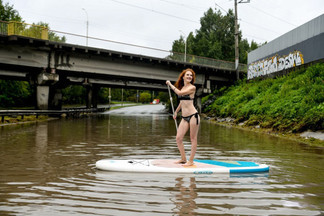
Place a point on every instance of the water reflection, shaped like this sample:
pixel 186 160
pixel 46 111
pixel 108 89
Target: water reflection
pixel 185 198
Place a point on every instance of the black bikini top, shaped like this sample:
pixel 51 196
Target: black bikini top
pixel 185 97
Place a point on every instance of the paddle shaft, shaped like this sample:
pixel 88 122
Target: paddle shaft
pixel 175 121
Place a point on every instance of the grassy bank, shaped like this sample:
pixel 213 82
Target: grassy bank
pixel 27 119
pixel 292 103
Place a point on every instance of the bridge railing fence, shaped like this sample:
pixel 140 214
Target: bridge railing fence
pixel 3 28
pixel 220 64
pixel 23 29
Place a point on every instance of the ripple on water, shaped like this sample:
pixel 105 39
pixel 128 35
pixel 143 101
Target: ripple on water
pixel 49 170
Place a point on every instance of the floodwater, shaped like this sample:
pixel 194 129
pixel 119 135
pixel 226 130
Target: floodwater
pixel 48 168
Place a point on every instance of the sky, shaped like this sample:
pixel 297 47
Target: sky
pixel 157 23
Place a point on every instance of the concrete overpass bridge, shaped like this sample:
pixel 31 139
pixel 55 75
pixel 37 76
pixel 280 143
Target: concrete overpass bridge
pixel 52 66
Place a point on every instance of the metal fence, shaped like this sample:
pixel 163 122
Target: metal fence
pixel 219 64
pixel 3 28
pixel 23 29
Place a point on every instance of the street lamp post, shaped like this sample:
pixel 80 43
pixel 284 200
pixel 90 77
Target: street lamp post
pixel 185 56
pixel 87 23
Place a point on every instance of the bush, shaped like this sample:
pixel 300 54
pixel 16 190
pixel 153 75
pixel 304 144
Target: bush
pixel 293 102
pixel 145 97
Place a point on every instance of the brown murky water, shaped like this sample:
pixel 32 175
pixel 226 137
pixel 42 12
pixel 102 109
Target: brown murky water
pixel 49 169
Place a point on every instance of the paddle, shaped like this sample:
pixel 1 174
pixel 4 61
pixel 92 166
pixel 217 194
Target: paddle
pixel 175 121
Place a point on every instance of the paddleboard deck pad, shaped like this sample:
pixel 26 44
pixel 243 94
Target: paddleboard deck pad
pixel 170 166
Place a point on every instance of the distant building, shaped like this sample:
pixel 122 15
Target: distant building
pixel 301 45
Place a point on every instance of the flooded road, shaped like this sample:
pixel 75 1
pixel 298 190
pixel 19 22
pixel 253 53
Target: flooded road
pixel 48 168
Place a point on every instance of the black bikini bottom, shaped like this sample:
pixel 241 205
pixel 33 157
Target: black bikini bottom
pixel 187 118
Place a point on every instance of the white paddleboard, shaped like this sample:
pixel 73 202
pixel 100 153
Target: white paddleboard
pixel 170 166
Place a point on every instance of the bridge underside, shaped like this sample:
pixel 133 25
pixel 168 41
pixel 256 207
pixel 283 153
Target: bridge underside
pixel 52 65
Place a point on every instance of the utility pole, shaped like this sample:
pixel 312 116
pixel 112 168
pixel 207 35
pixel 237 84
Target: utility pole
pixel 236 44
pixel 237 39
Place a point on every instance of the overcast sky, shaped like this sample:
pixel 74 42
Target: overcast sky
pixel 157 23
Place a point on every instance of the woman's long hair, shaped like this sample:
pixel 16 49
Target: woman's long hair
pixel 180 83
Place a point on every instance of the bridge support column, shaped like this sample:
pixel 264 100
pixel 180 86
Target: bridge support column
pixel 199 95
pixel 42 95
pixel 55 99
pixel 201 92
pixel 198 104
pixel 92 96
pixel 44 80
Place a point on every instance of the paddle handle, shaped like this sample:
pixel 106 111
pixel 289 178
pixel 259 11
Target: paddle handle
pixel 175 121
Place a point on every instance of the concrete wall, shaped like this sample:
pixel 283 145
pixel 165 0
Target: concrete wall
pixel 302 45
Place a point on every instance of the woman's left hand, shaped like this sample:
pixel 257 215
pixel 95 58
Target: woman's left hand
pixel 168 82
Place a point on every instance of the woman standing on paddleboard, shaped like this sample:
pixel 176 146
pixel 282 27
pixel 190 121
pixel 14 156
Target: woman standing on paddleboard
pixel 185 89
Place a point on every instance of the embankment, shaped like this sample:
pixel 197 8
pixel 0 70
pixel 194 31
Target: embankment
pixel 290 104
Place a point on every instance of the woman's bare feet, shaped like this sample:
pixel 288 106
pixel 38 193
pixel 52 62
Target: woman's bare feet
pixel 181 161
pixel 189 163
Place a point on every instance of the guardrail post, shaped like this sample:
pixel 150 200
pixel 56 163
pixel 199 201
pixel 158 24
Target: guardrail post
pixel 44 34
pixel 11 28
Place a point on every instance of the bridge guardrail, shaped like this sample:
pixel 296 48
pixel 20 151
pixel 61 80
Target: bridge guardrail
pixel 220 64
pixel 3 28
pixel 23 29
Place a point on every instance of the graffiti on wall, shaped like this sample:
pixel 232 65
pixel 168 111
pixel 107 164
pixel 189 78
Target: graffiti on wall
pixel 274 64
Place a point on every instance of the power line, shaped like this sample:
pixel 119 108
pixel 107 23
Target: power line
pixel 278 18
pixel 179 4
pixel 252 36
pixel 154 11
pixel 111 41
pixel 192 7
pixel 258 26
pixel 221 8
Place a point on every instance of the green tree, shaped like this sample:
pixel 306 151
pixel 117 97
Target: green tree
pixel 74 94
pixel 51 35
pixel 15 93
pixel 215 38
pixel 145 97
pixel 8 13
pixel 163 96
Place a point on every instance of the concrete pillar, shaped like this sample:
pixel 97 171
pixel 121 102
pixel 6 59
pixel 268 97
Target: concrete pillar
pixel 95 94
pixel 198 104
pixel 55 99
pixel 198 96
pixel 89 96
pixel 42 95
pixel 92 96
pixel 44 81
